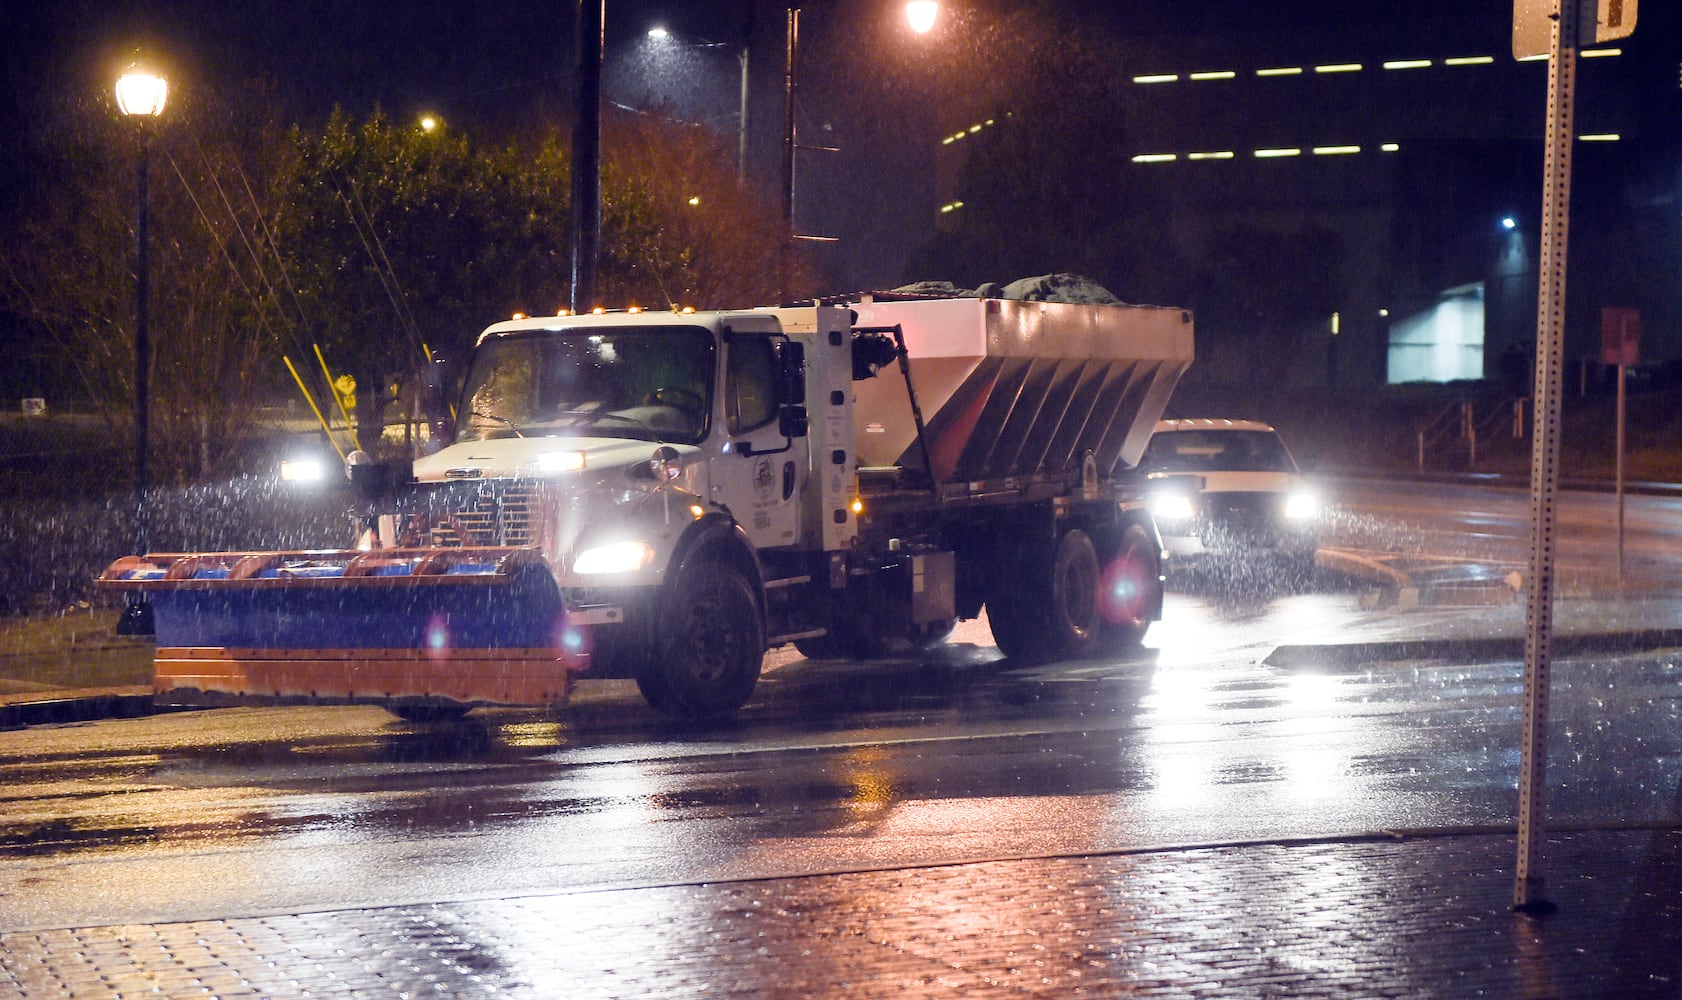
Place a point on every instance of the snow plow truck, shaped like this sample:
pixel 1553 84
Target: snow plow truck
pixel 666 496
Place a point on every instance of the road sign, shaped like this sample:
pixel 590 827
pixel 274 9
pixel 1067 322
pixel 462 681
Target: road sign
pixel 1620 336
pixel 1599 21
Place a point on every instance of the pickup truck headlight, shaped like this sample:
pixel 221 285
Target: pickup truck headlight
pixel 1302 506
pixel 615 557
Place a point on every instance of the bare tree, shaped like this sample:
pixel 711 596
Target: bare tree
pixel 67 265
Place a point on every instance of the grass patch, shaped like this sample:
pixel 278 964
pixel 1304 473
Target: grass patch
pixel 76 649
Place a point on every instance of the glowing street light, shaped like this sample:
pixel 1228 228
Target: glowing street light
pixel 922 14
pixel 140 96
pixel 141 93
pixel 663 36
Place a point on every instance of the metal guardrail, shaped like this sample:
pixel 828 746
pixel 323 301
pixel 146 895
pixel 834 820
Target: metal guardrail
pixel 1459 420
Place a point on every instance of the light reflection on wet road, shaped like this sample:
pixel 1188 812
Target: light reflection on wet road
pixel 832 767
pixel 838 766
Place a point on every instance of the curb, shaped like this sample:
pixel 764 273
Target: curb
pixel 78 707
pixel 1469 650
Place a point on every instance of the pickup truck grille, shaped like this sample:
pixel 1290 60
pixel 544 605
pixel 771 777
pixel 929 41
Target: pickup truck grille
pixel 505 516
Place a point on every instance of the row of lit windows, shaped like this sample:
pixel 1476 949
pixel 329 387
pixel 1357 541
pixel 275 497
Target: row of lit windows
pixel 1323 69
pixel 1333 69
pixel 1286 152
pixel 973 129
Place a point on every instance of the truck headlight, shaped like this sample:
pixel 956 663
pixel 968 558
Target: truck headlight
pixel 1172 507
pixel 1302 506
pixel 302 470
pixel 560 461
pixel 615 557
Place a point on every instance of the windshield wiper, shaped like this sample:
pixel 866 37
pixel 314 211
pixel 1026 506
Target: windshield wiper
pixel 591 416
pixel 511 425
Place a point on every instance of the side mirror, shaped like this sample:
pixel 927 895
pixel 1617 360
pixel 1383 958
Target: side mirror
pixel 791 376
pixel 436 398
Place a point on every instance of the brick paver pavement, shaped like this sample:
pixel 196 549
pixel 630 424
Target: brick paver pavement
pixel 1406 917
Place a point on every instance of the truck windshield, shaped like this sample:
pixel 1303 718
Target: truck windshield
pixel 1216 451
pixel 647 382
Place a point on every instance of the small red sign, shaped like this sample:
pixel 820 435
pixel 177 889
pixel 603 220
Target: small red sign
pixel 1620 335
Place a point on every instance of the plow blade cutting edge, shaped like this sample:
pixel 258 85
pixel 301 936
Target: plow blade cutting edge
pixel 432 626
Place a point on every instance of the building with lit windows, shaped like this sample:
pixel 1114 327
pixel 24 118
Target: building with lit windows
pixel 1387 164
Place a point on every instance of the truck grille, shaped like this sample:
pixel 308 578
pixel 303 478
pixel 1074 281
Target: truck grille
pixel 505 516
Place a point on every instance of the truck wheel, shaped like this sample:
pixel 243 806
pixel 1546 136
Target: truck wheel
pixel 711 646
pixel 1131 591
pixel 1010 613
pixel 1076 615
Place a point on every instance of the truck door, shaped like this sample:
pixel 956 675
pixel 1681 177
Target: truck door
pixel 759 471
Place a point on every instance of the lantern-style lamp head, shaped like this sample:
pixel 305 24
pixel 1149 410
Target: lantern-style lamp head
pixel 141 93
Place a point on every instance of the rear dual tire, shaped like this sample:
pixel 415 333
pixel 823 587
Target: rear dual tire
pixel 1065 604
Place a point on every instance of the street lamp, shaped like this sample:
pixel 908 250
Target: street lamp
pixel 140 95
pixel 662 35
pixel 921 15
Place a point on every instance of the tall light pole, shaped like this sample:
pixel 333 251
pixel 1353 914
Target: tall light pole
pixel 664 36
pixel 140 95
pixel 920 15
pixel 587 153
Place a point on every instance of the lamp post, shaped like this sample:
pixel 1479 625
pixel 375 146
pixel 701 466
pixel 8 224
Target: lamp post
pixel 664 36
pixel 587 153
pixel 920 15
pixel 140 95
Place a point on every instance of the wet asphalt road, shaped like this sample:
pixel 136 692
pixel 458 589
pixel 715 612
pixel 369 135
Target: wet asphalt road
pixel 1197 740
pixel 832 767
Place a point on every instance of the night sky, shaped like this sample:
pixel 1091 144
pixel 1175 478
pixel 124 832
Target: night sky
pixel 492 66
pixel 494 60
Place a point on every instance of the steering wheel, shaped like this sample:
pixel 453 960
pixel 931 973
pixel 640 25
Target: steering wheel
pixel 683 399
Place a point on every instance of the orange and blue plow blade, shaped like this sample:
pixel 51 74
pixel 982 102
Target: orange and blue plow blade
pixel 468 626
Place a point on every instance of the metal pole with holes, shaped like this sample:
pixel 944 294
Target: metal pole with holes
pixel 1544 459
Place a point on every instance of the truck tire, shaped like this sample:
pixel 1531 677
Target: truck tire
pixel 711 644
pixel 1045 604
pixel 1011 611
pixel 1131 591
pixel 1076 615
